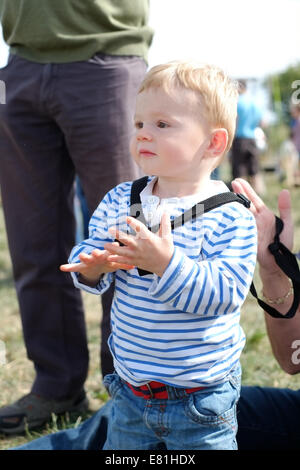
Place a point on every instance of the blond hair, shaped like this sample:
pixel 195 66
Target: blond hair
pixel 218 94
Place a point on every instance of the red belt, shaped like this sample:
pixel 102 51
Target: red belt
pixel 156 390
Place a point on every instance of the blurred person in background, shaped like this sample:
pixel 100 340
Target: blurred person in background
pixel 244 153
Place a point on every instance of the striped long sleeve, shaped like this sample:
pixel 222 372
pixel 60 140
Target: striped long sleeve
pixel 219 282
pixel 183 328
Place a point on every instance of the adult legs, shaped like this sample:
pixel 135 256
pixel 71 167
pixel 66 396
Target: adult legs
pixel 245 164
pixel 36 176
pixel 268 419
pixel 238 167
pixel 58 116
pixel 97 120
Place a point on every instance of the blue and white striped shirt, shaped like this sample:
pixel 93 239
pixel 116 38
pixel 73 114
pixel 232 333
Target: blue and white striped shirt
pixel 183 328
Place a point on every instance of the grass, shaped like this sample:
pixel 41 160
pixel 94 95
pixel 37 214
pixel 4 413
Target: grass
pixel 259 365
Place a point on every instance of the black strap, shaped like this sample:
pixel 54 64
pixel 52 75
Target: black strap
pixel 136 210
pixel 201 207
pixel 288 264
pixel 283 257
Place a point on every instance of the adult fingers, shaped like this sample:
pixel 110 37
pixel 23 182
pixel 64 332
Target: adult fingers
pixel 284 205
pixel 285 213
pixel 241 186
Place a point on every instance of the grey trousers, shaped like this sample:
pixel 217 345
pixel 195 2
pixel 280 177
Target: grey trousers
pixel 60 120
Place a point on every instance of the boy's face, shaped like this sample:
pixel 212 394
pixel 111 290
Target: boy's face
pixel 170 138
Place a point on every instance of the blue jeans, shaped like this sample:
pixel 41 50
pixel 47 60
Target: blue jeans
pixel 89 435
pixel 202 420
pixel 268 419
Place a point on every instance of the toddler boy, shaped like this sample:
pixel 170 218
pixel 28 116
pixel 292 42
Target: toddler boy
pixel 176 338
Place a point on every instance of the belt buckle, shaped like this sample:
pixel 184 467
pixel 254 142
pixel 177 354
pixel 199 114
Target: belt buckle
pixel 150 390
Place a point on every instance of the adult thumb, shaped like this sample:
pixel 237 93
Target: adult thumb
pixel 285 213
pixel 284 206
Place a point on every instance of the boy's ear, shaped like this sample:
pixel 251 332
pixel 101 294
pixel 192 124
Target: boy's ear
pixel 218 142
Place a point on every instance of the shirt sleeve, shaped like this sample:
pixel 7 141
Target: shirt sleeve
pixel 103 217
pixel 218 283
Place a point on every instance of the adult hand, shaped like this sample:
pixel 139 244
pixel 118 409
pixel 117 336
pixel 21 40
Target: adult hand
pixel 265 222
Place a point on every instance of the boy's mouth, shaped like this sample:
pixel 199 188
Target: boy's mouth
pixel 146 153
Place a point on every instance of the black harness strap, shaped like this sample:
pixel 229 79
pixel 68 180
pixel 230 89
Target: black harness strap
pixel 207 205
pixel 288 264
pixel 283 257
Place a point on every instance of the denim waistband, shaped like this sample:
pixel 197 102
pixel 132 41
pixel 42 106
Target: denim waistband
pixel 158 390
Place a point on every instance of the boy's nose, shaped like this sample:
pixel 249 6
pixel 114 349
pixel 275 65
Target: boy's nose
pixel 143 134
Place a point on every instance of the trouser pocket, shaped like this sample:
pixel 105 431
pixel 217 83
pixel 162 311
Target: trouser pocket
pixel 113 384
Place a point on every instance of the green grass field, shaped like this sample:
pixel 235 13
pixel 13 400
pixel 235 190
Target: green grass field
pixel 16 375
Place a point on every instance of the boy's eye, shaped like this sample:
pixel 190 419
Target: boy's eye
pixel 139 125
pixel 162 124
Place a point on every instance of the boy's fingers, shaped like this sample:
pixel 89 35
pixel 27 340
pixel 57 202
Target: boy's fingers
pixel 72 267
pixel 122 237
pixel 139 228
pixel 165 226
pixel 95 254
pixel 121 261
pixel 85 256
pixel 118 250
pixel 86 259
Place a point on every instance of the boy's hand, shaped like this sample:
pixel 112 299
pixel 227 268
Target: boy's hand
pixel 95 264
pixel 146 250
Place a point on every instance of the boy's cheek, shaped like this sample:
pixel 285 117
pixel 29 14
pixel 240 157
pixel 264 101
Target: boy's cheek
pixel 133 148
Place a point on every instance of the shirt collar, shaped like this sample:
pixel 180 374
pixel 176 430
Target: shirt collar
pixel 211 189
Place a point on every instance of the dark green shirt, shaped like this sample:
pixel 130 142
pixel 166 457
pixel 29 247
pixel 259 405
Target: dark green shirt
pixel 71 30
